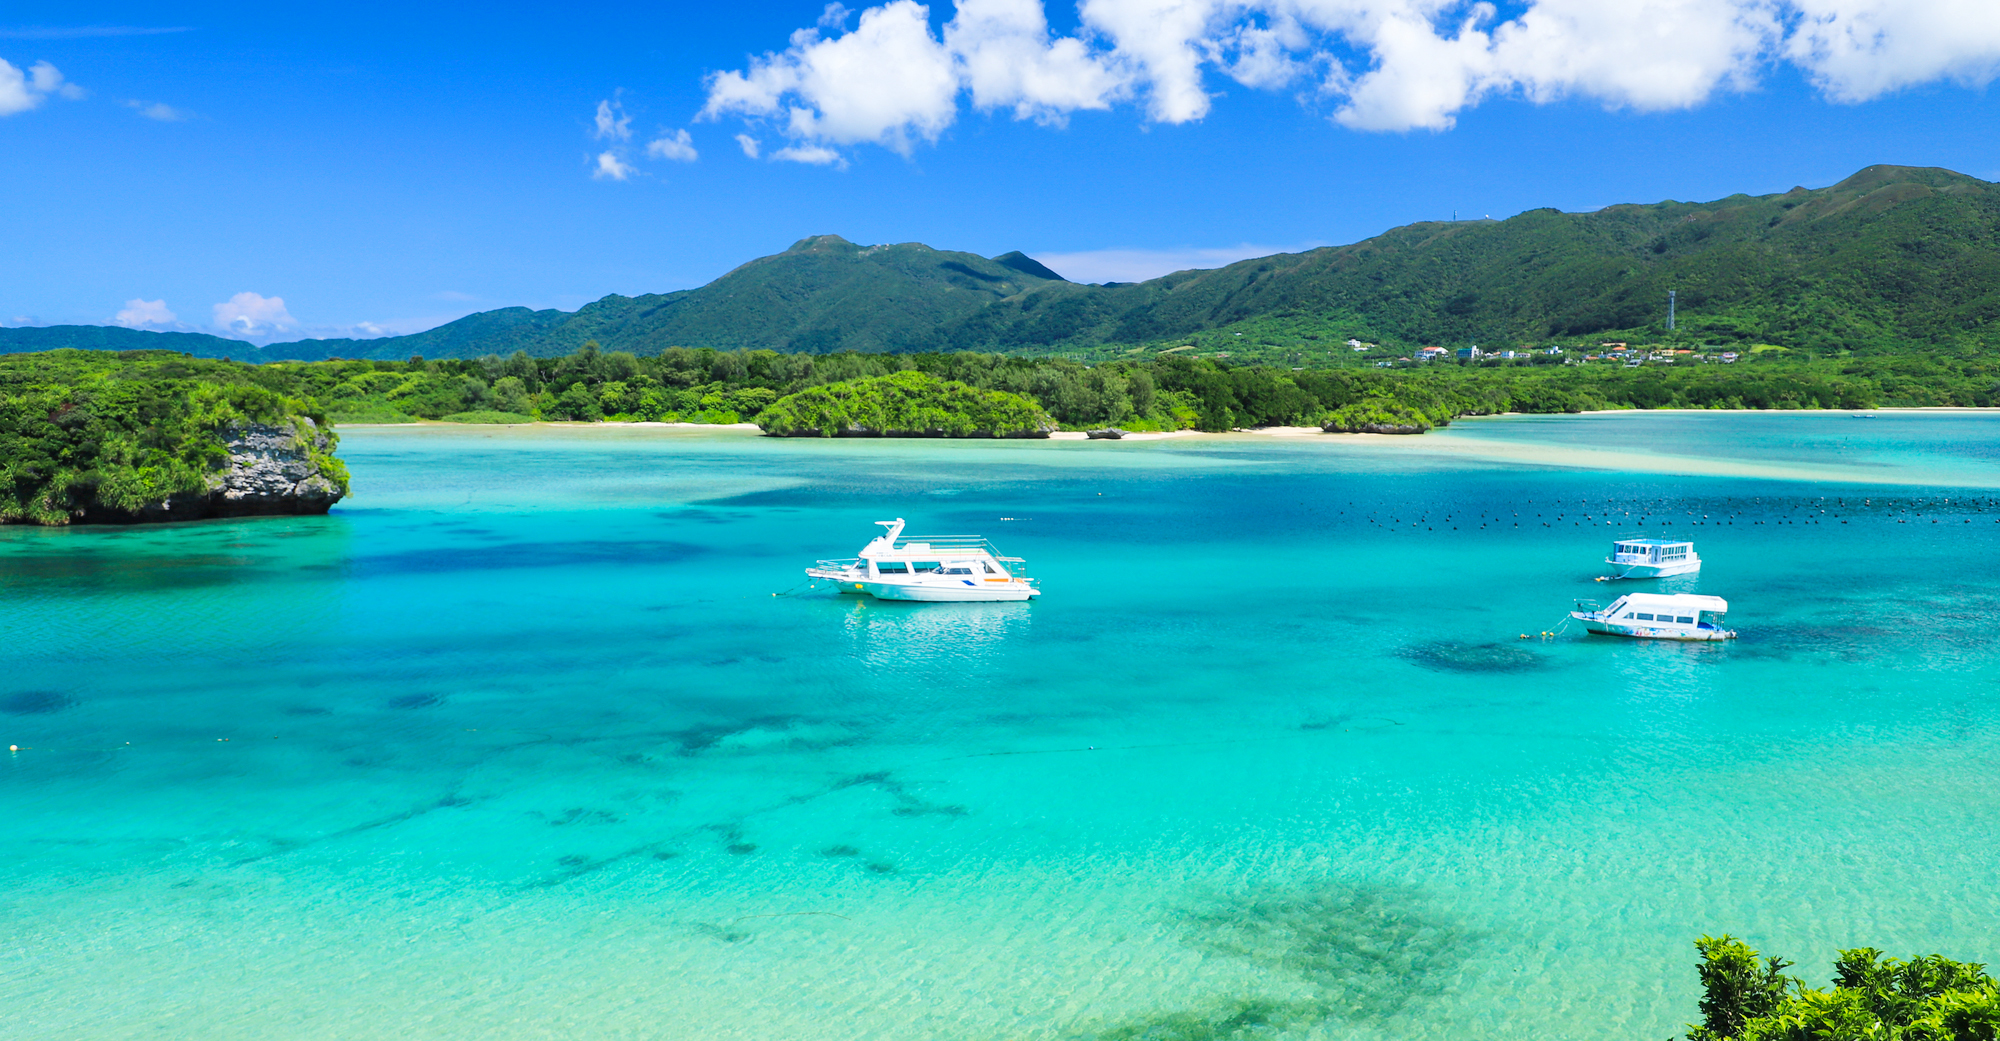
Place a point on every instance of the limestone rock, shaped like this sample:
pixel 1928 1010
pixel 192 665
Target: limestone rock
pixel 271 471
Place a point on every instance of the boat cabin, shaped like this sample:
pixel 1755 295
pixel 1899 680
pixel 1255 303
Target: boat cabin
pixel 1650 551
pixel 1666 610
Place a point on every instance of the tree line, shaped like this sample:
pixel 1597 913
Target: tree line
pixel 1155 392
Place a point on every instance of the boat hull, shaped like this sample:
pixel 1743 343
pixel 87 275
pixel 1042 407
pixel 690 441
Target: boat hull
pixel 941 593
pixel 1654 570
pixel 1600 627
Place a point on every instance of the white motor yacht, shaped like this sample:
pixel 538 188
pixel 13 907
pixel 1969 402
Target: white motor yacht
pixel 1652 558
pixel 953 568
pixel 1658 616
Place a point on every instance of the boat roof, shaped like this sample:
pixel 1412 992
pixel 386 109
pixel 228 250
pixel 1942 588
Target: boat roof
pixel 893 543
pixel 1654 542
pixel 1692 601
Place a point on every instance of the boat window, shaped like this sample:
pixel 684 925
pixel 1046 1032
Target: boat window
pixel 898 568
pixel 926 567
pixel 1684 620
pixel 990 569
pixel 1628 614
pixel 1644 617
pixel 960 570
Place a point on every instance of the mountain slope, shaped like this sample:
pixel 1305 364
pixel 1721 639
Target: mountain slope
pixel 114 338
pixel 1891 258
pixel 823 294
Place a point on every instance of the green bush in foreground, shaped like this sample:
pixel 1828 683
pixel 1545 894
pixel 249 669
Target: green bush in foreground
pixel 1928 998
pixel 904 404
pixel 83 432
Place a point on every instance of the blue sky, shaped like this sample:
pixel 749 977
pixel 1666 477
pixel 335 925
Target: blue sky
pixel 386 168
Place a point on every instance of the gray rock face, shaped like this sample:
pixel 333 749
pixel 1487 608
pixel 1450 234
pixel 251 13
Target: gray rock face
pixel 270 471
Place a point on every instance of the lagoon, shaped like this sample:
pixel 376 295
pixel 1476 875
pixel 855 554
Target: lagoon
pixel 518 742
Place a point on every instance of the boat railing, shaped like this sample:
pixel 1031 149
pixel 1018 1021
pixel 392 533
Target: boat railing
pixel 837 565
pixel 948 544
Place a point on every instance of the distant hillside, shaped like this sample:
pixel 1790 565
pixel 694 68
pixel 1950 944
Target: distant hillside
pixel 1891 258
pixel 821 295
pixel 113 338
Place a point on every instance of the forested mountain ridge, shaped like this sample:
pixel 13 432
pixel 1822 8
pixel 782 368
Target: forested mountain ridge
pixel 821 295
pixel 1892 258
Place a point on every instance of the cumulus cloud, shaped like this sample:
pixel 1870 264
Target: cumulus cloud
pixel 248 314
pixel 143 314
pixel 612 122
pixel 1856 50
pixel 748 144
pixel 1381 65
pixel 611 168
pixel 677 146
pixel 24 89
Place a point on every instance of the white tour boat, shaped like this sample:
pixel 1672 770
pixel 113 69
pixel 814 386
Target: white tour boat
pixel 1658 616
pixel 1652 558
pixel 928 567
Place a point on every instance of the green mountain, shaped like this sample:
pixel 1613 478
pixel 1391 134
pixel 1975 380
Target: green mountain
pixel 1891 258
pixel 114 338
pixel 823 294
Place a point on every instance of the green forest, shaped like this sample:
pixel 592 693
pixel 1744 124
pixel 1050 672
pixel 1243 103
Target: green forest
pixel 1170 392
pixel 1872 998
pixel 90 433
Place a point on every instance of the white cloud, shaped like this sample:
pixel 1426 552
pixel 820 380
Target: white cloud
pixel 748 144
pixel 140 314
pixel 1856 50
pixel 1386 65
pixel 24 89
pixel 814 155
pixel 159 110
pixel 1006 60
pixel 611 168
pixel 889 81
pixel 612 122
pixel 1138 265
pixel 677 146
pixel 248 314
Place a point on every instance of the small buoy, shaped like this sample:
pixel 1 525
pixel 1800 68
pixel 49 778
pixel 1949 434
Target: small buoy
pixel 1524 636
pixel 857 585
pixel 13 748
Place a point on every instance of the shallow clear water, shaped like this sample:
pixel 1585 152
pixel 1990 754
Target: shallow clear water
pixel 519 743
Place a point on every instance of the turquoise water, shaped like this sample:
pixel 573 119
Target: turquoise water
pixel 518 742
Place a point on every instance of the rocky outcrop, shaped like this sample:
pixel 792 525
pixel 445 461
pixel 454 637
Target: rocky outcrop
pixel 273 470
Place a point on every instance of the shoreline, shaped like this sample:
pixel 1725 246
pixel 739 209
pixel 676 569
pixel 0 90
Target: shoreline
pixel 1441 447
pixel 1157 435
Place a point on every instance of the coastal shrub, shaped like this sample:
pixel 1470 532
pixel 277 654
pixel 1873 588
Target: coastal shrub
pixel 87 430
pixel 904 404
pixel 1873 998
